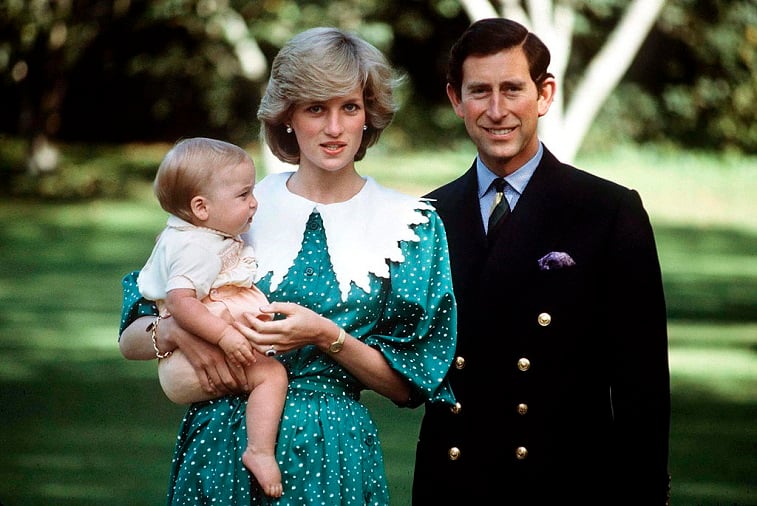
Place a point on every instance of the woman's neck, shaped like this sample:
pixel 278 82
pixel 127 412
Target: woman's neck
pixel 326 187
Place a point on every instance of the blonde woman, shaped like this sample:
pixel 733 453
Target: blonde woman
pixel 359 280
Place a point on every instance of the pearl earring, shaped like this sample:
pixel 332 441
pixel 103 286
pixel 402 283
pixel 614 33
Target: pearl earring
pixel 289 129
pixel 365 127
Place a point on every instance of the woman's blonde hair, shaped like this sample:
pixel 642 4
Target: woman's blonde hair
pixel 320 64
pixel 188 169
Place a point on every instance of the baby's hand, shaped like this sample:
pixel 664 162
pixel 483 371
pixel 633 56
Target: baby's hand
pixel 236 347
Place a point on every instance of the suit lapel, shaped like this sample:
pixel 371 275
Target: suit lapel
pixel 534 222
pixel 458 206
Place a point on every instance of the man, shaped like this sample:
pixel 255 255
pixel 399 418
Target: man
pixel 562 366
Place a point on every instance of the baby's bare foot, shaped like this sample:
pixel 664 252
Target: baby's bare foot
pixel 266 471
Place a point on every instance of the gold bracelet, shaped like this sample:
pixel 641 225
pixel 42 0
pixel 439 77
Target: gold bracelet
pixel 153 330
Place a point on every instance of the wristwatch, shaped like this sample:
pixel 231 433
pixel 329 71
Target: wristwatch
pixel 337 345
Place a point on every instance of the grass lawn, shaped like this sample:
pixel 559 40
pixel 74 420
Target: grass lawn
pixel 82 426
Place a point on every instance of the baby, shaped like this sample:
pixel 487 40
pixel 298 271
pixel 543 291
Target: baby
pixel 201 273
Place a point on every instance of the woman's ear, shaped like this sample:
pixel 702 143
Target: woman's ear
pixel 199 207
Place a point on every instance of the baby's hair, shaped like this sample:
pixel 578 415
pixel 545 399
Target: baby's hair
pixel 187 171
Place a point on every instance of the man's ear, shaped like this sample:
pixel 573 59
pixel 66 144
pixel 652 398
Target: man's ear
pixel 546 95
pixel 455 101
pixel 199 207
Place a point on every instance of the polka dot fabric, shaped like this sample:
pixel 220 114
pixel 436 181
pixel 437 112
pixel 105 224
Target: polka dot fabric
pixel 328 448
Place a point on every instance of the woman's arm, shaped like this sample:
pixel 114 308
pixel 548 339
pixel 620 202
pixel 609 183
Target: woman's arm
pixel 135 342
pixel 215 375
pixel 367 364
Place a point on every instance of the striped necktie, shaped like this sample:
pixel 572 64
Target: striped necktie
pixel 500 208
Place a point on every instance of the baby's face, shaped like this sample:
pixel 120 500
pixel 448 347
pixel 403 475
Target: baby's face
pixel 231 204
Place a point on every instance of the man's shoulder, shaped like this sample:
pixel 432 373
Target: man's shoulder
pixel 570 179
pixel 595 183
pixel 439 192
pixel 553 168
pixel 453 187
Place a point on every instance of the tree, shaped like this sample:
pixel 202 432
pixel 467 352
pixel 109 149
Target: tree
pixel 554 21
pixel 107 51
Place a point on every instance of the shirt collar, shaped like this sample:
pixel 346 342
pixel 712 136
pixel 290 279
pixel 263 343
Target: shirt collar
pixel 517 180
pixel 180 224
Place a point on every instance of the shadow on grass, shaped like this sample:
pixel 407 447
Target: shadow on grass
pixel 86 431
pixel 82 426
pixel 712 448
pixel 709 274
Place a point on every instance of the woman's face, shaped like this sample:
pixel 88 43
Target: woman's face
pixel 329 133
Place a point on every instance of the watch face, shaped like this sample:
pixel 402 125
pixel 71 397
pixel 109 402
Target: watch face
pixel 335 347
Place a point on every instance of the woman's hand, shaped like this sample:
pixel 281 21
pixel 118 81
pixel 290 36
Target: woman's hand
pixel 215 375
pixel 214 372
pixel 299 327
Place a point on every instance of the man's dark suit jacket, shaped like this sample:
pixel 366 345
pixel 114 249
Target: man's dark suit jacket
pixel 561 374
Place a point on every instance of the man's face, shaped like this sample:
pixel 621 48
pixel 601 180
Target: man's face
pixel 500 106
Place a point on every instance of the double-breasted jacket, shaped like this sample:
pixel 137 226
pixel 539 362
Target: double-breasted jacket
pixel 561 370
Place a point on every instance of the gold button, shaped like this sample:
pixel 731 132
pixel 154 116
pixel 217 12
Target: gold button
pixel 521 453
pixel 454 453
pixel 459 362
pixel 524 364
pixel 522 408
pixel 456 408
pixel 544 319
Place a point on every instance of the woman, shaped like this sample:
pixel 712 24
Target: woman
pixel 359 282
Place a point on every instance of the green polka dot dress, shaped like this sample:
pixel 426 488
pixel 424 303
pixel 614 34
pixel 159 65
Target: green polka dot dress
pixel 377 266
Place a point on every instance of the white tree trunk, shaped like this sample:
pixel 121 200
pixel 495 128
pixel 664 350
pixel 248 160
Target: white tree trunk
pixel 565 127
pixel 234 30
pixel 478 9
pixel 606 70
pixel 254 66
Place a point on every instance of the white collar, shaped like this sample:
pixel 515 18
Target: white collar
pixel 362 234
pixel 184 226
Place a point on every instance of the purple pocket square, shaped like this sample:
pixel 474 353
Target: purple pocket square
pixel 555 260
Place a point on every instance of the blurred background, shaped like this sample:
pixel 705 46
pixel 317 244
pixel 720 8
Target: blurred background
pixel 655 94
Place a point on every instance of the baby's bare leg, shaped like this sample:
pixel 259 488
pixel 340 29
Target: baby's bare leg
pixel 179 380
pixel 268 379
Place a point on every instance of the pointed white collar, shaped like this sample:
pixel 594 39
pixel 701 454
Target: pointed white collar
pixel 362 234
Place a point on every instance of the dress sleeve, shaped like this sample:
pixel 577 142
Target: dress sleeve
pixel 418 330
pixel 133 305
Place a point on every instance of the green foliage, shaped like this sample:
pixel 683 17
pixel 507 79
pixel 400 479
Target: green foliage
pixel 85 172
pixel 712 103
pixel 102 71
